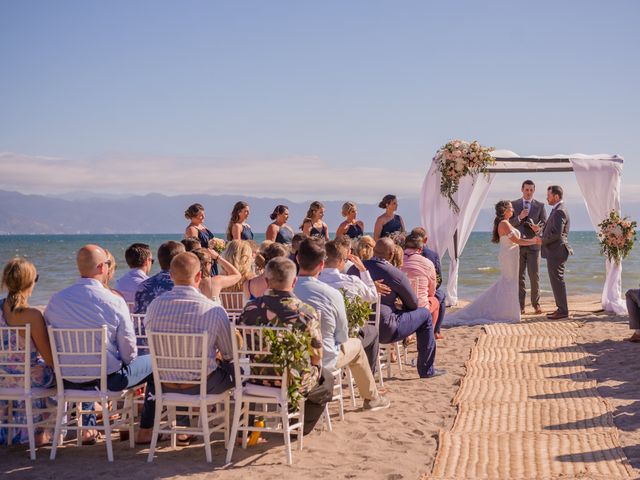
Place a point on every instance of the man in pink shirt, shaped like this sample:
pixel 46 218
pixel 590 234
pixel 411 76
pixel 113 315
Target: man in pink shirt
pixel 421 270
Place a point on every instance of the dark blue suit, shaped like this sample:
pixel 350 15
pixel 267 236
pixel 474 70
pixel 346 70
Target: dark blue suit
pixel 396 325
pixel 440 295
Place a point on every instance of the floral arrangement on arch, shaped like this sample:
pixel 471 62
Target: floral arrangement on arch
pixel 616 236
pixel 458 159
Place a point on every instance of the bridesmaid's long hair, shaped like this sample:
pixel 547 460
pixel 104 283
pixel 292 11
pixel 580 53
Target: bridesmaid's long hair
pixel 235 217
pixel 501 209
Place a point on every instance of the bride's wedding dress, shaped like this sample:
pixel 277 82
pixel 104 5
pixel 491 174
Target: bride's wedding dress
pixel 500 302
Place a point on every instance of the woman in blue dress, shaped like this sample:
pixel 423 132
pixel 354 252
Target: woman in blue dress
pixel 388 224
pixel 196 229
pixel 312 225
pixel 238 229
pixel 279 231
pixel 351 227
pixel 19 278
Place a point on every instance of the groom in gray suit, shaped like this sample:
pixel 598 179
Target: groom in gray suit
pixel 556 249
pixel 526 211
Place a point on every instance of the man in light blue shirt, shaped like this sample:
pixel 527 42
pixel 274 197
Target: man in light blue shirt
pixel 139 259
pixel 88 304
pixel 338 349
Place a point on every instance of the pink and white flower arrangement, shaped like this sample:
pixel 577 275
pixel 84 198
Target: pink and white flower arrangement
pixel 617 236
pixel 217 244
pixel 458 159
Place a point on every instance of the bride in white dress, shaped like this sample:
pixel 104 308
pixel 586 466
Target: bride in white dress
pixel 500 302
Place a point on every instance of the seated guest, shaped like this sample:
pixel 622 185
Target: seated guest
pixel 351 227
pixel 364 247
pixel 238 229
pixel 312 225
pixel 421 270
pixel 398 323
pixel 190 244
pixel 279 231
pixel 363 287
pixel 113 266
pixel 258 259
pixel 19 278
pixel 212 285
pixel 161 281
pixel 239 254
pixel 87 304
pixel 339 350
pixel 255 287
pixel 633 306
pixel 295 244
pixel 185 310
pixel 397 257
pixel 440 294
pixel 388 224
pixel 139 259
pixel 279 307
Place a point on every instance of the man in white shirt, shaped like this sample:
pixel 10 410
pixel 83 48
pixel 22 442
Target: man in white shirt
pixel 363 287
pixel 338 349
pixel 139 259
pixel 88 304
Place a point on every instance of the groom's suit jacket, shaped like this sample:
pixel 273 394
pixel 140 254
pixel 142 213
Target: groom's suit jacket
pixel 555 242
pixel 537 214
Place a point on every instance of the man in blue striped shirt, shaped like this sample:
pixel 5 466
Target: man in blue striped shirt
pixel 185 310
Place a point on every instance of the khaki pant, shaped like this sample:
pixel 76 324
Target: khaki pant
pixel 352 354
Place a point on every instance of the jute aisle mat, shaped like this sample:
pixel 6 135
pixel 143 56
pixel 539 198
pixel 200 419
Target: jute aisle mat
pixel 526 410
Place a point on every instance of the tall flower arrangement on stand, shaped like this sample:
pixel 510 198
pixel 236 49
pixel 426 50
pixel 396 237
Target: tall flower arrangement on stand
pixel 458 159
pixel 616 236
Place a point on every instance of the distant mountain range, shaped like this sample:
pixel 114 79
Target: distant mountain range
pixel 84 212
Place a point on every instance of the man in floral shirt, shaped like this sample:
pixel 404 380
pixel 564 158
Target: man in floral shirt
pixel 279 307
pixel 161 282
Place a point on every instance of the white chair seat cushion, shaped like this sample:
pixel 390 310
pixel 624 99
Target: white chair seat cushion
pixel 93 394
pixel 263 391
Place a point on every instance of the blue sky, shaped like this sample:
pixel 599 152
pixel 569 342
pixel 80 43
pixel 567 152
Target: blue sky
pixel 298 99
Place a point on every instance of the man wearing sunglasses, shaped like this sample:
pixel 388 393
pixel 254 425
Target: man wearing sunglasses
pixel 139 258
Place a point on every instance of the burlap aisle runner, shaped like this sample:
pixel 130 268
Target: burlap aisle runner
pixel 526 410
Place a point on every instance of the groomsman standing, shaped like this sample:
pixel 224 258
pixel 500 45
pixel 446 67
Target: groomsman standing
pixel 527 210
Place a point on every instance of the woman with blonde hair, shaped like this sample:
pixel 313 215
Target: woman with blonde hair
pixel 389 224
pixel 312 225
pixel 113 266
pixel 19 277
pixel 351 227
pixel 255 287
pixel 238 229
pixel 239 254
pixel 364 247
pixel 212 285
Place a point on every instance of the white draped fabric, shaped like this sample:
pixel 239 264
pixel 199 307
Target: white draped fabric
pixel 598 177
pixel 441 222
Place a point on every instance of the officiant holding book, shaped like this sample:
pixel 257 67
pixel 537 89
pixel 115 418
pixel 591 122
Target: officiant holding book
pixel 528 212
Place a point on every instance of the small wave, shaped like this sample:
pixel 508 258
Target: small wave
pixel 487 269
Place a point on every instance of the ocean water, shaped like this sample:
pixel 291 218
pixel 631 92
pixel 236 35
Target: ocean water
pixel 54 257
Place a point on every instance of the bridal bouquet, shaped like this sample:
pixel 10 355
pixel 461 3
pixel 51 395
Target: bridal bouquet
pixel 616 236
pixel 217 244
pixel 458 159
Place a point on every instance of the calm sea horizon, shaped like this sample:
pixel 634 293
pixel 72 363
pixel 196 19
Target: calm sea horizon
pixel 54 257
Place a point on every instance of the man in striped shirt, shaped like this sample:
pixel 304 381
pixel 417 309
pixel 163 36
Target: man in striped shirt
pixel 185 310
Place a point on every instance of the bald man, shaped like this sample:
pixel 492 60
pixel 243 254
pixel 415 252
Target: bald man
pixel 185 310
pixel 398 323
pixel 88 304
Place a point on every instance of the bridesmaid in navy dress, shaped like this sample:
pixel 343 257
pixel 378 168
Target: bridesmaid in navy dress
pixel 351 227
pixel 197 229
pixel 312 225
pixel 279 231
pixel 238 229
pixel 389 223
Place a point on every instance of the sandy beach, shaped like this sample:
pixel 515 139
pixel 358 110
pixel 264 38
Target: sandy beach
pixel 398 443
